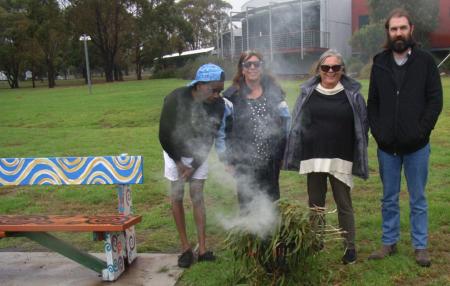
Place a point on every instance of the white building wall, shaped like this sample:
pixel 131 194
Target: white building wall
pixel 336 19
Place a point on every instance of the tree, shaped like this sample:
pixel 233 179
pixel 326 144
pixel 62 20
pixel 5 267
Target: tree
pixel 203 15
pixel 106 22
pixel 48 29
pixel 159 28
pixel 424 16
pixel 368 40
pixel 13 40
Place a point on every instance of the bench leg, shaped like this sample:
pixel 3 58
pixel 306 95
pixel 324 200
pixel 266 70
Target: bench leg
pixel 126 208
pixel 64 249
pixel 131 248
pixel 115 250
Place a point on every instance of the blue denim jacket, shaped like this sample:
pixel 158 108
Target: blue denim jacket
pixel 225 124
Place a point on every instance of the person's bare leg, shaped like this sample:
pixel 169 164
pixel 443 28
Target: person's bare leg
pixel 176 196
pixel 196 192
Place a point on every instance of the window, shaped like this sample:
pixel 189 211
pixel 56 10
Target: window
pixel 363 20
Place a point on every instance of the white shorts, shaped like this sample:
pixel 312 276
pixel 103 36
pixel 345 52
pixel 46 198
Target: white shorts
pixel 171 171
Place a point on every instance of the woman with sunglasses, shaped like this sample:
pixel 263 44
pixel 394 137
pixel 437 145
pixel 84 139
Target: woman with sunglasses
pixel 328 140
pixel 258 137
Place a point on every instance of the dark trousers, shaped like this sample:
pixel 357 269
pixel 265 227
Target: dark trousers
pixel 251 182
pixel 317 189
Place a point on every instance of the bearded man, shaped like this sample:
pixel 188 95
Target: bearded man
pixel 405 100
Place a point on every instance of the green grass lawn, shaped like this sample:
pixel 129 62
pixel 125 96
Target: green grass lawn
pixel 123 118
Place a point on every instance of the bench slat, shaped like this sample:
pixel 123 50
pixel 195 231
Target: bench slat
pixel 105 170
pixel 76 223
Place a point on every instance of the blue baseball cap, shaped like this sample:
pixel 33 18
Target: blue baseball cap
pixel 208 72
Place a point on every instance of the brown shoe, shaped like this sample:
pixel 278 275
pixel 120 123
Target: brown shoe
pixel 422 257
pixel 384 251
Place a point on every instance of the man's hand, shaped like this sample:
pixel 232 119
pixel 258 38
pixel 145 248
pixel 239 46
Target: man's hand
pixel 184 172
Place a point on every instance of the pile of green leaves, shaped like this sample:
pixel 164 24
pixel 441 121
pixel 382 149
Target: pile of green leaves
pixel 286 256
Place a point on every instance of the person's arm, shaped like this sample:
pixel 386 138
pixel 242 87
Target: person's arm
pixel 167 127
pixel 362 109
pixel 433 95
pixel 373 105
pixel 285 117
pixel 223 134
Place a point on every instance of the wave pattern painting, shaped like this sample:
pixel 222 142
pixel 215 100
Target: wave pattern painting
pixel 71 170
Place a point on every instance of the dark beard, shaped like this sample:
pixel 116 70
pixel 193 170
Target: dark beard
pixel 400 45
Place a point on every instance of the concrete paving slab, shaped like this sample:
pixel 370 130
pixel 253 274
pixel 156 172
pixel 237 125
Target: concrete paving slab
pixel 47 268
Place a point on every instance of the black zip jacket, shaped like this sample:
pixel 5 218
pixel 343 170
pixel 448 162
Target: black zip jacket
pixel 402 115
pixel 188 128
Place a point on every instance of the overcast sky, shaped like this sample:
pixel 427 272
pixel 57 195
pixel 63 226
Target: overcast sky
pixel 236 4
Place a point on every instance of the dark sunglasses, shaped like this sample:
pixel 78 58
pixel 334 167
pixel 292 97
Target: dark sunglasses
pixel 256 64
pixel 326 68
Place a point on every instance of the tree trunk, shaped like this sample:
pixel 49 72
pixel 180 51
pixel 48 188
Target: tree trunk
pixel 50 73
pixel 138 70
pixel 12 75
pixel 109 69
pixel 138 62
pixel 32 76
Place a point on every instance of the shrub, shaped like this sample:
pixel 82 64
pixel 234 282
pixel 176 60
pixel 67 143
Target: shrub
pixel 354 66
pixel 287 255
pixel 190 68
pixel 365 71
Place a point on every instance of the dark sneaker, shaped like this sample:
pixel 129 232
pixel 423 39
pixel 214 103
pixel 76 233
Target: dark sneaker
pixel 185 259
pixel 422 257
pixel 207 256
pixel 349 256
pixel 384 251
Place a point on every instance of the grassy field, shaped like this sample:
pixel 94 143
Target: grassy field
pixel 123 118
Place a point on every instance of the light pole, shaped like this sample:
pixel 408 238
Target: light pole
pixel 86 38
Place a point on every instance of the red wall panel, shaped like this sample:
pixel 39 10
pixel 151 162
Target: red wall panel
pixel 439 38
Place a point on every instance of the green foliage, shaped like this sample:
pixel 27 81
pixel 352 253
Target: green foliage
pixel 13 39
pixel 369 40
pixel 190 68
pixel 354 66
pixel 365 70
pixel 280 259
pixel 203 16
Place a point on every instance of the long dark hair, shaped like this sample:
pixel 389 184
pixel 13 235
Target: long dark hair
pixel 396 13
pixel 244 56
pixel 239 77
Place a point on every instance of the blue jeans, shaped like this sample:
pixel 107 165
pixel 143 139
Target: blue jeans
pixel 416 173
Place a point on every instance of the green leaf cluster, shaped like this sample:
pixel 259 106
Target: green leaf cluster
pixel 280 259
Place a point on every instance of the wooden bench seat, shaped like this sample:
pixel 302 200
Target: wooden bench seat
pixel 77 223
pixel 116 230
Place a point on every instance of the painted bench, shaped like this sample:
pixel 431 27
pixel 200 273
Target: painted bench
pixel 116 230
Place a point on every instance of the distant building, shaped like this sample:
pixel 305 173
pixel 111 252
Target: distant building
pixel 290 34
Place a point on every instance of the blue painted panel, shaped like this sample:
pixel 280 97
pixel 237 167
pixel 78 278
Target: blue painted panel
pixel 105 170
